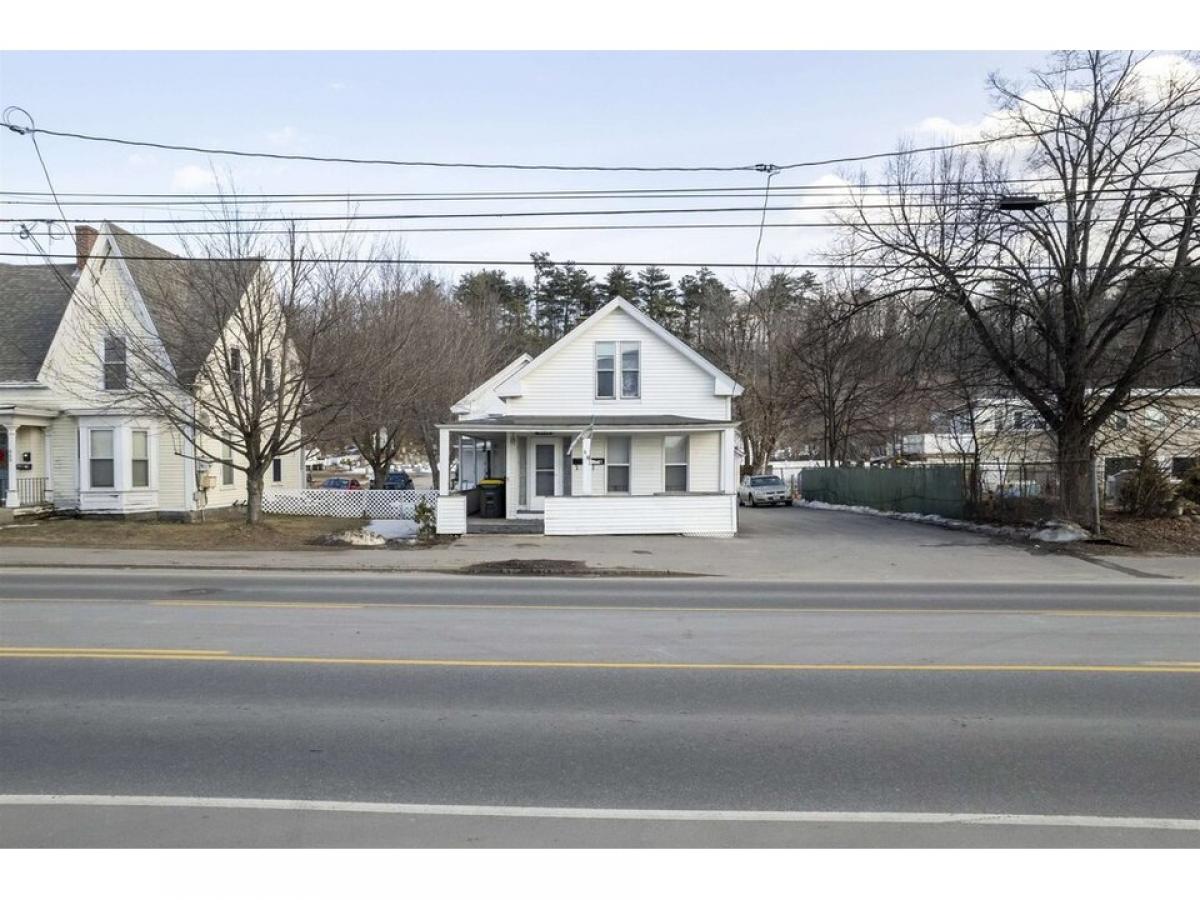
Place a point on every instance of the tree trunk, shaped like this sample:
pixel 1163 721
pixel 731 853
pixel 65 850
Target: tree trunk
pixel 379 473
pixel 1074 460
pixel 254 493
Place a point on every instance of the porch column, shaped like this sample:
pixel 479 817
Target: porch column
pixel 13 498
pixel 512 476
pixel 443 462
pixel 729 479
pixel 586 481
pixel 48 463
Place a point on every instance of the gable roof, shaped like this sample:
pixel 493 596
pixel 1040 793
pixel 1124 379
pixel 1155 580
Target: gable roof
pixel 32 302
pixel 171 286
pixel 464 405
pixel 723 385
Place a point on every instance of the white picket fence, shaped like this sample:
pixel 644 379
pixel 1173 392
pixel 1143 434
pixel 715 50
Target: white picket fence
pixel 347 504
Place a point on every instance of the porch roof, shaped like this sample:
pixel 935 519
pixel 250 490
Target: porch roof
pixel 577 423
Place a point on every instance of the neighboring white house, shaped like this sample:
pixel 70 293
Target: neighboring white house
pixel 617 428
pixel 68 438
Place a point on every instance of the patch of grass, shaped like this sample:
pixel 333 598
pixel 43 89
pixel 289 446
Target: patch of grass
pixel 223 533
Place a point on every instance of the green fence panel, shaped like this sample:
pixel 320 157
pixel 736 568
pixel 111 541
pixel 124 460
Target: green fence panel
pixel 930 490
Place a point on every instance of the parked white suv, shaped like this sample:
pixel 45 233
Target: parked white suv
pixel 760 489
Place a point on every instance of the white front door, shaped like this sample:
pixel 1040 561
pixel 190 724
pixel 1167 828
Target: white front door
pixel 545 472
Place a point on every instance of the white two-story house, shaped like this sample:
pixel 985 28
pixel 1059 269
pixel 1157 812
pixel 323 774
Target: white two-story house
pixel 70 436
pixel 617 428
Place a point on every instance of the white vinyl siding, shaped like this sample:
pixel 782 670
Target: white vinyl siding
pixel 699 514
pixel 670 383
pixel 704 461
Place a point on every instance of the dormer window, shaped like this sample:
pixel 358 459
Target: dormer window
pixel 235 370
pixel 618 364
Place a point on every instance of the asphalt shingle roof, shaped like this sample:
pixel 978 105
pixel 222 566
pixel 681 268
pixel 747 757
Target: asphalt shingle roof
pixel 188 299
pixel 32 301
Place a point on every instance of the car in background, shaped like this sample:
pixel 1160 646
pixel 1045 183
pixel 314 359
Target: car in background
pixel 397 481
pixel 341 484
pixel 757 490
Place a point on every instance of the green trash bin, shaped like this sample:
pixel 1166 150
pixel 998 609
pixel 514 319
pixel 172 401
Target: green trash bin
pixel 491 498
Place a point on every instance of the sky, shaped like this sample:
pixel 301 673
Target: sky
pixel 621 108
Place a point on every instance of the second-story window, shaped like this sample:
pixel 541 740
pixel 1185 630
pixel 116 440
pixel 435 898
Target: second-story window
pixel 269 378
pixel 618 368
pixel 606 359
pixel 631 370
pixel 116 369
pixel 235 370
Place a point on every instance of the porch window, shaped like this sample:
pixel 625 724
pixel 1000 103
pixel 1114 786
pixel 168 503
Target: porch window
pixel 140 459
pixel 116 370
pixel 227 460
pixel 631 370
pixel 616 465
pixel 606 370
pixel 675 456
pixel 100 457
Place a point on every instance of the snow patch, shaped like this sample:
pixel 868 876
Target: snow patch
pixel 1059 533
pixel 357 537
pixel 393 529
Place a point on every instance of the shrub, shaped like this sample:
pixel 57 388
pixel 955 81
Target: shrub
pixel 1147 491
pixel 1189 487
pixel 425 515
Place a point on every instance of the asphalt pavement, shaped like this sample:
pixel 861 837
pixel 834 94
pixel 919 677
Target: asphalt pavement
pixel 218 708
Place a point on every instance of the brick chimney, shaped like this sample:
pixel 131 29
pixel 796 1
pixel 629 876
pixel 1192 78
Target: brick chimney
pixel 85 239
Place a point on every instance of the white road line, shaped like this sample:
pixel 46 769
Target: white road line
pixel 569 812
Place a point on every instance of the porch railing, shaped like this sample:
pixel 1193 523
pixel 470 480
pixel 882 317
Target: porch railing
pixel 30 492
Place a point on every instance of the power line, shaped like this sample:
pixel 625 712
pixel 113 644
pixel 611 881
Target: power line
pixel 32 129
pixel 488 229
pixel 722 193
pixel 753 190
pixel 504 262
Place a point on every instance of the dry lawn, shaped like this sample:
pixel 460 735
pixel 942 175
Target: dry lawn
pixel 274 533
pixel 1175 536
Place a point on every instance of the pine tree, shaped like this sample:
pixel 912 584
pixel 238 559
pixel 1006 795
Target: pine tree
pixel 698 295
pixel 619 283
pixel 656 297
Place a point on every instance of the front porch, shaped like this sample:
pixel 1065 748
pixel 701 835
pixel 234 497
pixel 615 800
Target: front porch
pixel 628 475
pixel 26 474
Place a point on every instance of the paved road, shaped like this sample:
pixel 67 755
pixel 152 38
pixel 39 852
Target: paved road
pixel 593 713
pixel 785 544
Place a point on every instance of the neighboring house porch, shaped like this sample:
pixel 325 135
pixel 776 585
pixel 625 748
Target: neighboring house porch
pixel 26 461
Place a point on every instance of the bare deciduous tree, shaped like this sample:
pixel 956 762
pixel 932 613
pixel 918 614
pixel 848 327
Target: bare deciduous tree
pixel 1067 295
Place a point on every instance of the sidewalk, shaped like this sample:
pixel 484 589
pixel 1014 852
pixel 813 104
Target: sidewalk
pixel 794 546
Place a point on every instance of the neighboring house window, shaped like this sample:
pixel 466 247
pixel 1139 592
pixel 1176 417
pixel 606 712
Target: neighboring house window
pixel 116 370
pixel 269 378
pixel 631 370
pixel 227 460
pixel 675 455
pixel 617 465
pixel 140 459
pixel 606 370
pixel 235 370
pixel 1120 421
pixel 277 470
pixel 100 457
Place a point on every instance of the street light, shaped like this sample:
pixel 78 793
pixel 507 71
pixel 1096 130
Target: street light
pixel 1020 202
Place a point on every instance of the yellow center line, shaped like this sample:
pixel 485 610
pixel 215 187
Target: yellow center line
pixel 169 651
pixel 581 607
pixel 208 656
